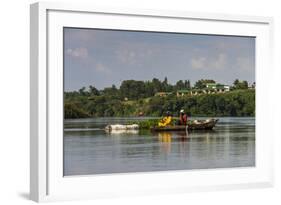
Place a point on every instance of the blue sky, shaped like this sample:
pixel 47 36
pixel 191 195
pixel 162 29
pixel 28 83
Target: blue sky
pixel 105 57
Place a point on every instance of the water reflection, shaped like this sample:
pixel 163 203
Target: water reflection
pixel 165 140
pixel 94 151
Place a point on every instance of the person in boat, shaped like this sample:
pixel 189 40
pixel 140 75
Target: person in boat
pixel 165 121
pixel 183 118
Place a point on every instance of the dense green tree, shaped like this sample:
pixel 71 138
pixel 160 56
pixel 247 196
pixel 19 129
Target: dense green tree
pixel 166 87
pixel 245 84
pixel 180 85
pixel 240 84
pixel 93 90
pixel 132 89
pixel 111 91
pixel 187 84
pixel 236 82
pixel 82 91
pixel 157 85
pixel 73 111
pixel 202 83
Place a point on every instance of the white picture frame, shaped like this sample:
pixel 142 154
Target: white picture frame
pixel 46 179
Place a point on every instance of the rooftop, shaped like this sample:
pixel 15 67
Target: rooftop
pixel 183 91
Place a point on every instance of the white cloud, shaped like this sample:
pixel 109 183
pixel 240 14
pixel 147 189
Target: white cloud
pixel 126 56
pixel 77 52
pixel 198 63
pixel 102 68
pixel 134 53
pixel 219 62
pixel 216 63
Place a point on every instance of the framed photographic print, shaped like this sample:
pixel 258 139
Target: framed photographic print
pixel 127 101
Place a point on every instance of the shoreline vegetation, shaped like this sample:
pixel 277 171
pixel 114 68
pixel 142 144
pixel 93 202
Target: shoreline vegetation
pixel 153 98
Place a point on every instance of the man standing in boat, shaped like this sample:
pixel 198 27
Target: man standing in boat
pixel 167 120
pixel 183 118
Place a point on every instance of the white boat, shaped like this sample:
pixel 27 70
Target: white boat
pixel 122 127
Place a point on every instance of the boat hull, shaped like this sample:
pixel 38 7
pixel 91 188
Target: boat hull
pixel 199 125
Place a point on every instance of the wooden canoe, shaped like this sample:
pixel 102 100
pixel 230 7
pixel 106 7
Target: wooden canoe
pixel 208 124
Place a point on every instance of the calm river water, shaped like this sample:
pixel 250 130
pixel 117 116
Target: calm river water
pixel 88 149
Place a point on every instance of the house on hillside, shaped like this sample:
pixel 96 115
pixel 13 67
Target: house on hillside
pixel 209 89
pixel 196 91
pixel 183 93
pixel 163 94
pixel 218 88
